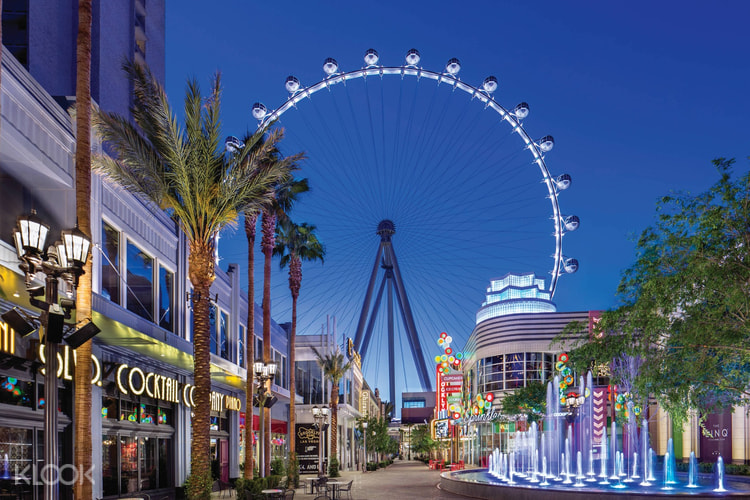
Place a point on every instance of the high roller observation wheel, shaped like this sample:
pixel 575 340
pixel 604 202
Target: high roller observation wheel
pixel 514 118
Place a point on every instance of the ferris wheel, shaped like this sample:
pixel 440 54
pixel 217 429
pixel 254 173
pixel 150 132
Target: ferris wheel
pixel 465 187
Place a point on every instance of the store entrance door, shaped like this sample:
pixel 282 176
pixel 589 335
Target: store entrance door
pixel 224 459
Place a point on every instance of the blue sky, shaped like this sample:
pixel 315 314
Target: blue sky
pixel 639 96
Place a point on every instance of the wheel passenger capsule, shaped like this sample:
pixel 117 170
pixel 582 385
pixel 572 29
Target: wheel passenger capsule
pixel 259 111
pixel 521 111
pixel 546 143
pixel 412 57
pixel 292 84
pixel 563 181
pixel 330 66
pixel 453 67
pixel 570 266
pixel 371 57
pixel 490 84
pixel 571 222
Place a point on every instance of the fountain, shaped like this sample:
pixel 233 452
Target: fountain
pixel 539 462
pixel 693 471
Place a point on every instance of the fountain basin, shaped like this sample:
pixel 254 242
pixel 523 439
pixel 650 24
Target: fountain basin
pixel 478 483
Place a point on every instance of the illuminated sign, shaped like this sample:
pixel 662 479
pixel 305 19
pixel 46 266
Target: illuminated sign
pixel 7 338
pixel 364 403
pixel 136 381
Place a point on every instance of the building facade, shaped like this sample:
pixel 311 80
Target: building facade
pixel 143 355
pixel 357 402
pixel 509 348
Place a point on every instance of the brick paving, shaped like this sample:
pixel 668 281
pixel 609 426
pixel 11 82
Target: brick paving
pixel 400 481
pixel 403 480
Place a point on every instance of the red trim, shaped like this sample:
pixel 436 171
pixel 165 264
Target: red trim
pixel 277 426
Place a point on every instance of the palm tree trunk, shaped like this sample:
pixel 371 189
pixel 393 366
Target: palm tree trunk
pixel 250 221
pixel 292 391
pixel 295 278
pixel 201 274
pixel 268 226
pixel 83 489
pixel 334 421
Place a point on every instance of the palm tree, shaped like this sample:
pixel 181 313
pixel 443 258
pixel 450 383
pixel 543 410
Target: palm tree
pixel 251 218
pixel 82 378
pixel 295 243
pixel 251 212
pixel 183 169
pixel 388 411
pixel 285 194
pixel 334 368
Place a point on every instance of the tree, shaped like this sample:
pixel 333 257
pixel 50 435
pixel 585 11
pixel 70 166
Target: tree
pixel 251 219
pixel 421 442
pixel 530 401
pixel 278 207
pixel 295 243
pixel 183 169
pixel 82 377
pixel 251 213
pixel 388 410
pixel 685 303
pixel 334 368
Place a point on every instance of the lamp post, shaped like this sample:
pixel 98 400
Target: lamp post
pixel 364 431
pixel 320 414
pixel 264 372
pixel 64 259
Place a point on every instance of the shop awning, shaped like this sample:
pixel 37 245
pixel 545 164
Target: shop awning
pixel 277 426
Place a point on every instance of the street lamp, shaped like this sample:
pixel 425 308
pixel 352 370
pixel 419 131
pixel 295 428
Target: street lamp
pixel 364 431
pixel 64 259
pixel 263 373
pixel 320 414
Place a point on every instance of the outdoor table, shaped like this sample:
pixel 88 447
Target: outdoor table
pixel 273 493
pixel 336 485
pixel 309 482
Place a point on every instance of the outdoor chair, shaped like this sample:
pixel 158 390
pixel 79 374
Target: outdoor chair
pixel 322 497
pixel 320 485
pixel 289 494
pixel 347 489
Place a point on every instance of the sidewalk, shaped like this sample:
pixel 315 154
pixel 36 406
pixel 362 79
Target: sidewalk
pixel 403 480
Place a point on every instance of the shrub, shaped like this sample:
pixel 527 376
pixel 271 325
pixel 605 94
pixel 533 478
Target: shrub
pixel 198 487
pixel 333 467
pixel 277 466
pixel 293 471
pixel 246 488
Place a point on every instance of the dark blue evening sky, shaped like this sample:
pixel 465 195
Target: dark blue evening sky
pixel 640 96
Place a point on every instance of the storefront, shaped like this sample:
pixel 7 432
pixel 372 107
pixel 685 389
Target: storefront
pixel 22 419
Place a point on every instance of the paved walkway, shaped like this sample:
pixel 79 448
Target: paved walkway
pixel 402 480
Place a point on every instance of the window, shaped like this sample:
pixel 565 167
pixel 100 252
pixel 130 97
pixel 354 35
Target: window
pixel 110 262
pixel 241 346
pixel 15 18
pixel 223 328
pixel 309 382
pixel 258 347
pixel 189 326
pixel 414 403
pixel 140 279
pixel 212 329
pixel 166 299
pixel 280 378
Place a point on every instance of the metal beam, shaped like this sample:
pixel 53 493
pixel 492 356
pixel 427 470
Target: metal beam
pixel 411 328
pixel 368 296
pixel 371 323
